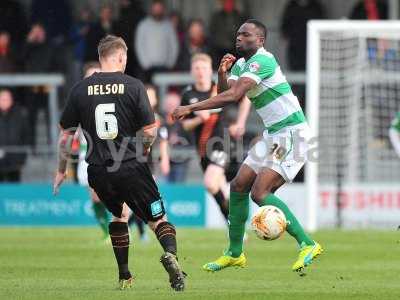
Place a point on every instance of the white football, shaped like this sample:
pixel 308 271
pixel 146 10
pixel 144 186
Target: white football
pixel 269 222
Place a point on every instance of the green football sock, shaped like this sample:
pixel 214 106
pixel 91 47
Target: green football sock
pixel 101 215
pixel 238 214
pixel 293 227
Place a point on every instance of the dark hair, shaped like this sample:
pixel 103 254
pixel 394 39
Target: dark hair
pixel 109 44
pixel 158 2
pixel 196 20
pixel 260 26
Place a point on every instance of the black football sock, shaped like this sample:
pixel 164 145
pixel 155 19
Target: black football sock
pixel 222 202
pixel 120 241
pixel 166 235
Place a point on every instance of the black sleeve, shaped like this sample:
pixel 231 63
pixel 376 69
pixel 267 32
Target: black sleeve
pixel 184 98
pixel 70 115
pixel 144 112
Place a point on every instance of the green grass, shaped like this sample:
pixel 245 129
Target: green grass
pixel 70 263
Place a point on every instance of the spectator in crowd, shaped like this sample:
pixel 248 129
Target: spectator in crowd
pixel 156 43
pixel 39 57
pixel 179 140
pixel 370 10
pixel 97 31
pixel 195 42
pixel 177 22
pixel 13 134
pixel 38 53
pixel 130 14
pixel 79 32
pixel 13 21
pixel 294 29
pixel 7 57
pixel 224 24
pixel 56 18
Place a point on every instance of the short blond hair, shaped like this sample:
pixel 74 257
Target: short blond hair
pixel 109 44
pixel 201 57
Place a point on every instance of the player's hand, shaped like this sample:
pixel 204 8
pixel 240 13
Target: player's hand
pixel 226 63
pixel 58 180
pixel 237 130
pixel 180 112
pixel 203 114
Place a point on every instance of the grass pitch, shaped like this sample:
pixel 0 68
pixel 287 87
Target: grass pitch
pixel 71 263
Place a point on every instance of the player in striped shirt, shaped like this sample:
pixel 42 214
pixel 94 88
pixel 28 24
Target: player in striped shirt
pixel 275 159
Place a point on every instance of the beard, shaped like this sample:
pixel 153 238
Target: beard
pixel 241 52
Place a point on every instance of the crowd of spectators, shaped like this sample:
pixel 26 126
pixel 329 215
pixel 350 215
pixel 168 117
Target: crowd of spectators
pixel 158 40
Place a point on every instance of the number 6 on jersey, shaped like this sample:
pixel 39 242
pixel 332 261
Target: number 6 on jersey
pixel 106 122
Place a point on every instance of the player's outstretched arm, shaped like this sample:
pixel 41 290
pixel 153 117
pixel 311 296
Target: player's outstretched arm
pixel 233 94
pixel 64 150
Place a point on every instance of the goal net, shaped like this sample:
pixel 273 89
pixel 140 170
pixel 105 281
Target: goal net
pixel 353 94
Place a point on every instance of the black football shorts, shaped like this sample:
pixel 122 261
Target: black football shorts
pixel 131 183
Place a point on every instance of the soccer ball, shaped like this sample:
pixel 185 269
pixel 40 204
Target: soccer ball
pixel 269 222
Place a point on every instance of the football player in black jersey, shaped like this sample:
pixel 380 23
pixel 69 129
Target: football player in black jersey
pixel 208 129
pixel 114 112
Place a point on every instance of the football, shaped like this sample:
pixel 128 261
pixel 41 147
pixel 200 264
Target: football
pixel 269 222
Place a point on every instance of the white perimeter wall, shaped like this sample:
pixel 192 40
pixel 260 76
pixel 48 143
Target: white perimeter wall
pixel 374 205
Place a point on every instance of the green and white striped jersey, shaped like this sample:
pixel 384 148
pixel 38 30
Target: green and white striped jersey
pixel 272 97
pixel 396 122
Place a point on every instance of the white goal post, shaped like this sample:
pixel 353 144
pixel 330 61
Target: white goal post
pixel 353 92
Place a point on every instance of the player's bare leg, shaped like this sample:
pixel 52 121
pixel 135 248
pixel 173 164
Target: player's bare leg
pixel 166 235
pixel 215 182
pixel 119 235
pixel 262 192
pixel 238 214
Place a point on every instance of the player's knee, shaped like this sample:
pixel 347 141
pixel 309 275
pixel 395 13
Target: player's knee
pixel 124 216
pixel 238 186
pixel 258 195
pixel 122 219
